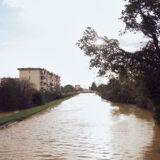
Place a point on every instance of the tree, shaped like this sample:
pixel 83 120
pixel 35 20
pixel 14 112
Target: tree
pixel 110 57
pixel 15 94
pixel 156 114
pixel 37 98
pixel 93 86
pixel 141 67
pixel 68 88
pixel 138 15
pixel 143 16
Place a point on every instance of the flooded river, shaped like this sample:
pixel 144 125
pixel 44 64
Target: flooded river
pixel 84 127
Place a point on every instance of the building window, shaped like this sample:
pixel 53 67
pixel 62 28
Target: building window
pixel 42 77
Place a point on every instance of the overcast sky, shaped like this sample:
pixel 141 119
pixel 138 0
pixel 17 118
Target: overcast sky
pixel 43 33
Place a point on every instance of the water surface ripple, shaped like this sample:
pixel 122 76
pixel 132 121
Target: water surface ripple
pixel 84 127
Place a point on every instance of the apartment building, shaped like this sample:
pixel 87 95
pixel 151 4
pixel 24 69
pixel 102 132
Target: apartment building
pixel 40 78
pixel 77 87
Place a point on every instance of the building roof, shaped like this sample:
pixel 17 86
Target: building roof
pixel 29 68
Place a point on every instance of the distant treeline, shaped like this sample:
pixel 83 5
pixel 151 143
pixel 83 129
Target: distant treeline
pixel 18 94
pixel 143 92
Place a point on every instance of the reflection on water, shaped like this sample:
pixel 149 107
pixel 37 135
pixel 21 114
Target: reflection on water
pixel 83 128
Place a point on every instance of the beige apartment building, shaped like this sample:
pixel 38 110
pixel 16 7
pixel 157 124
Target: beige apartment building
pixel 40 78
pixel 77 87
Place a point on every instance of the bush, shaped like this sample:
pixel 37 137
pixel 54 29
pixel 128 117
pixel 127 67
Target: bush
pixel 51 95
pixel 117 91
pixel 15 94
pixel 20 94
pixel 37 98
pixel 93 86
pixel 68 88
pixel 156 114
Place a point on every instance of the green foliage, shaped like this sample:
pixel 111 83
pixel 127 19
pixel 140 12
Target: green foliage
pixel 117 91
pixel 31 111
pixel 48 96
pixel 37 98
pixel 138 72
pixel 15 94
pixel 156 114
pixel 126 92
pixel 143 16
pixel 68 88
pixel 104 91
pixel 93 86
pixel 110 57
pixel 20 94
pixel 80 89
pixel 102 57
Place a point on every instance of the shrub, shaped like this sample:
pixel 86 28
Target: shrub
pixel 68 88
pixel 93 86
pixel 51 95
pixel 37 98
pixel 15 94
pixel 156 114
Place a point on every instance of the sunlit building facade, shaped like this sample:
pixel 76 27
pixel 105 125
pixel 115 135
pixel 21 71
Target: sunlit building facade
pixel 40 78
pixel 77 87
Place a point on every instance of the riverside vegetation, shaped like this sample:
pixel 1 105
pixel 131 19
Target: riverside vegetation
pixel 135 75
pixel 20 94
pixel 30 111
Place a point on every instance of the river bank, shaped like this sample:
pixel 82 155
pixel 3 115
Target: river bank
pixel 21 115
pixel 129 93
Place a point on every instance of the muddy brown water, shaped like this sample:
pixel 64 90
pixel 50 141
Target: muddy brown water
pixel 84 127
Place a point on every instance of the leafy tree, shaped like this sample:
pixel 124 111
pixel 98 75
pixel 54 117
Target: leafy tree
pixel 15 94
pixel 68 88
pixel 110 57
pixel 48 96
pixel 156 114
pixel 138 15
pixel 104 91
pixel 93 86
pixel 37 98
pixel 143 16
pixel 141 68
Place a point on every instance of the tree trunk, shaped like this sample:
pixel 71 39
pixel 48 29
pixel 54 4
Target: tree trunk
pixel 155 40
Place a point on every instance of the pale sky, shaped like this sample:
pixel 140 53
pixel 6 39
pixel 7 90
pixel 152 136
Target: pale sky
pixel 43 33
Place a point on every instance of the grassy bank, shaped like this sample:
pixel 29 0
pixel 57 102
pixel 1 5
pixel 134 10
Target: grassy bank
pixel 31 111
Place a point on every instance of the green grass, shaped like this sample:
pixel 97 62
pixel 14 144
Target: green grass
pixel 31 111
